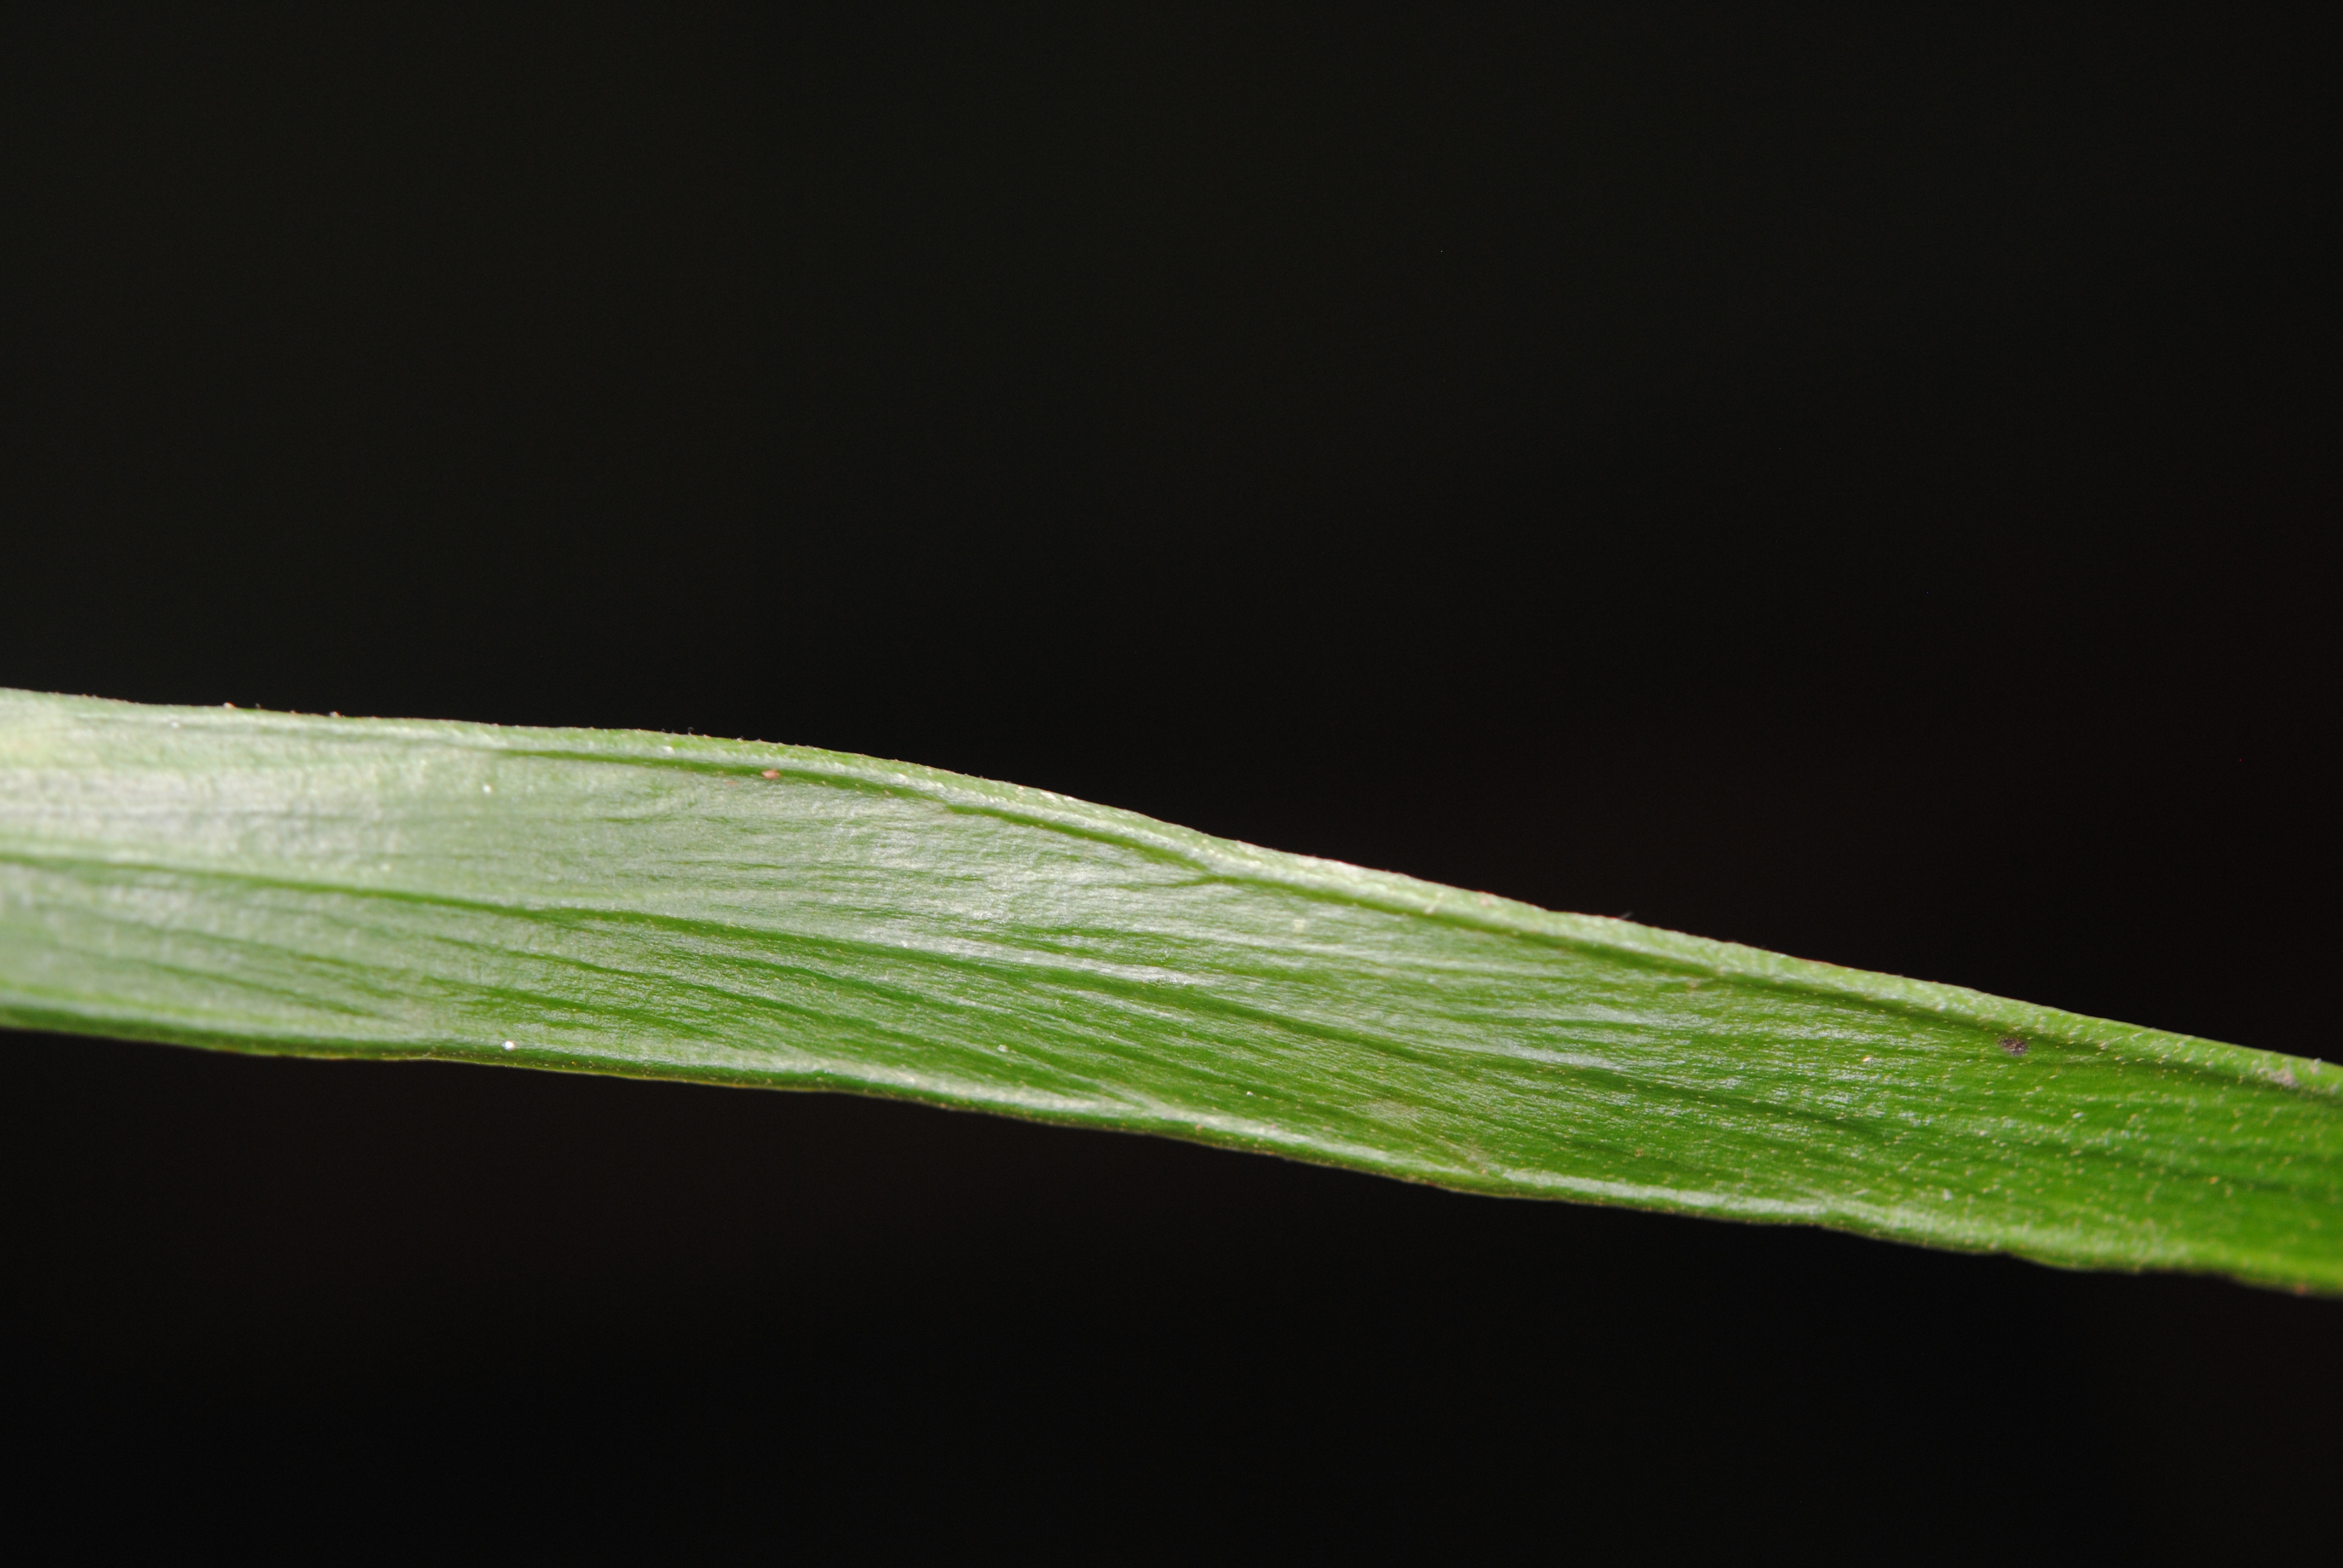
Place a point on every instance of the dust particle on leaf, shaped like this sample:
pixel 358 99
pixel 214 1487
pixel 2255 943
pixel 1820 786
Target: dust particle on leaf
pixel 2012 1044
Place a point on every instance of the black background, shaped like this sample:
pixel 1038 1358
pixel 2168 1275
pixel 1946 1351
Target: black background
pixel 1843 484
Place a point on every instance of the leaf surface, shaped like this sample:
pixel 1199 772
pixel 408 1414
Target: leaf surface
pixel 725 912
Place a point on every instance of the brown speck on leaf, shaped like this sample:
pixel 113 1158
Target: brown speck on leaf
pixel 770 773
pixel 2012 1044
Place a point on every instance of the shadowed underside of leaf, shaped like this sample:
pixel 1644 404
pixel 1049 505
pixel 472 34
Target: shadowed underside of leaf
pixel 673 907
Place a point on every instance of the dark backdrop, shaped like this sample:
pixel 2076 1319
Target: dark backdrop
pixel 1842 483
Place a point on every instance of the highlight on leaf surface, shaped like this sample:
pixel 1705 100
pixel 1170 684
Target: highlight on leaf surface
pixel 733 913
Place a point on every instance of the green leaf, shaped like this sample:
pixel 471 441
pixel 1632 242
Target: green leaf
pixel 673 907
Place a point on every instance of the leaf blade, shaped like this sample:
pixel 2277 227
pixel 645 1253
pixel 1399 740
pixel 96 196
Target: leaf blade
pixel 734 912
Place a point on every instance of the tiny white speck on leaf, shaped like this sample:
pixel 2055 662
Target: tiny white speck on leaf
pixel 508 1045
pixel 487 789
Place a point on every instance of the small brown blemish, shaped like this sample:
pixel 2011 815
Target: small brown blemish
pixel 770 773
pixel 2012 1044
